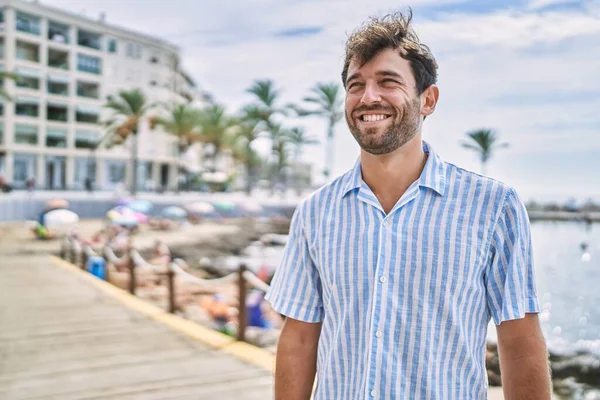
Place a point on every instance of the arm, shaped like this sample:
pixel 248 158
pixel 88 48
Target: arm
pixel 296 363
pixel 523 359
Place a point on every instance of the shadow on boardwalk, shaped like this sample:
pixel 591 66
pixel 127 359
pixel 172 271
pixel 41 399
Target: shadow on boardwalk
pixel 62 338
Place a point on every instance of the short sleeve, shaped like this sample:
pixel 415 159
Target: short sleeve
pixel 509 276
pixel 296 286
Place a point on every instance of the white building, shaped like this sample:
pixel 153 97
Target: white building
pixel 68 66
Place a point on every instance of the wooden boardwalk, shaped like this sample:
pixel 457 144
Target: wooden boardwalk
pixel 63 338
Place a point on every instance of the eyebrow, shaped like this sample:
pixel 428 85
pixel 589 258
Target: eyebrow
pixel 379 73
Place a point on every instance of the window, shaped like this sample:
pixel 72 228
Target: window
pixel 86 139
pixel 154 60
pixel 89 39
pixel 28 23
pixel 1 22
pixel 1 112
pixel 24 167
pixel 27 78
pixel 26 107
pixel 88 89
pixel 1 47
pixel 26 134
pixel 112 45
pixel 57 112
pixel 28 51
pixel 87 114
pixel 58 59
pixel 1 142
pixel 133 50
pixel 58 33
pixel 116 171
pixel 84 168
pixel 56 137
pixel 58 85
pixel 89 64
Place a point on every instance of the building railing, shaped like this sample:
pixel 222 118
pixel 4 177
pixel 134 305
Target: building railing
pixel 74 251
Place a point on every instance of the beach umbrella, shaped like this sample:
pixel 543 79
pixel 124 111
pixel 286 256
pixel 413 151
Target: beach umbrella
pixel 141 206
pixel 128 221
pixel 224 205
pixel 55 204
pixel 60 220
pixel 124 201
pixel 199 207
pixel 174 212
pixel 250 207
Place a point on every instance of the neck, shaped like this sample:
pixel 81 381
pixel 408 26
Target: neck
pixel 389 175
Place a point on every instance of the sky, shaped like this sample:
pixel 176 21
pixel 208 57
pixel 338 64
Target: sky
pixel 529 69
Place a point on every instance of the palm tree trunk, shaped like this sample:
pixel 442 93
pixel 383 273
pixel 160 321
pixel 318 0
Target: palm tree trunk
pixel 329 151
pixel 134 163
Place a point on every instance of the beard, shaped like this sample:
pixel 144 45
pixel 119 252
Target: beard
pixel 403 125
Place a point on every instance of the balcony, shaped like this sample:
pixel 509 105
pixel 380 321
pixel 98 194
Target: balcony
pixel 57 112
pixel 58 59
pixel 86 139
pixel 28 23
pixel 89 39
pixel 87 114
pixel 89 64
pixel 28 51
pixel 26 134
pixel 58 33
pixel 27 78
pixel 58 85
pixel 56 137
pixel 27 107
pixel 88 89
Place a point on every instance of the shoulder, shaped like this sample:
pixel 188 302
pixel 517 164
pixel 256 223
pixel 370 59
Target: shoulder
pixel 466 183
pixel 324 197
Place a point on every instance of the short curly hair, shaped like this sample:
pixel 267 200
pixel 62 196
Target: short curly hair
pixel 392 31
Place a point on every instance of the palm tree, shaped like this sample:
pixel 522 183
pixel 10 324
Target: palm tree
pixel 216 128
pixel 484 143
pixel 327 97
pixel 248 130
pixel 265 110
pixel 129 108
pixel 298 138
pixel 182 121
pixel 280 150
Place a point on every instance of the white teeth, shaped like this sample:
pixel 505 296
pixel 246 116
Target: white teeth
pixel 373 117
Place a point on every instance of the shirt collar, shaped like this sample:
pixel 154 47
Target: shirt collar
pixel 433 175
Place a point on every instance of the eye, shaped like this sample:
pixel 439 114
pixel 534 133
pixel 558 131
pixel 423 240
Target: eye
pixel 390 82
pixel 355 85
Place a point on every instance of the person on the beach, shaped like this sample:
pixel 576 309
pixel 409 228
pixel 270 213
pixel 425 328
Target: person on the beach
pixel 394 270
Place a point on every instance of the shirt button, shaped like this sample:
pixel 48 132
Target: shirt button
pixel 384 222
pixel 382 279
pixel 378 333
pixel 373 393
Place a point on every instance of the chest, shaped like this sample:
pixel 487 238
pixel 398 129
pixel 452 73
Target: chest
pixel 423 247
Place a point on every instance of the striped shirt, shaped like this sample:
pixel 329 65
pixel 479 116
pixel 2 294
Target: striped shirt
pixel 406 298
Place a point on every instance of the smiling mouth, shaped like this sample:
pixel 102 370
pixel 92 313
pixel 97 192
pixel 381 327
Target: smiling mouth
pixel 373 117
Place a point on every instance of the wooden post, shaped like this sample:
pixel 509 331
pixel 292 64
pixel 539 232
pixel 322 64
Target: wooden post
pixel 103 255
pixel 83 258
pixel 73 254
pixel 131 271
pixel 63 250
pixel 242 318
pixel 171 283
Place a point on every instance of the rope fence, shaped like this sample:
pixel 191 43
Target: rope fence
pixel 78 253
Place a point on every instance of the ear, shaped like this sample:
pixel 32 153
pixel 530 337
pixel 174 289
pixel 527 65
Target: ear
pixel 429 99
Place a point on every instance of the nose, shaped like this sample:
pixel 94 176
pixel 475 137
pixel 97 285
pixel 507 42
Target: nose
pixel 371 94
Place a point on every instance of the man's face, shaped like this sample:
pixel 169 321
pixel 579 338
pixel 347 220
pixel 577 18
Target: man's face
pixel 382 105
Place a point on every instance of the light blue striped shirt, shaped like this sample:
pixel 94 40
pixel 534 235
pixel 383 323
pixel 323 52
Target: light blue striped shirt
pixel 406 298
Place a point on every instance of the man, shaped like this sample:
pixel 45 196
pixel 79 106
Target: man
pixel 393 271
